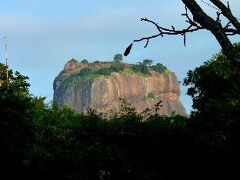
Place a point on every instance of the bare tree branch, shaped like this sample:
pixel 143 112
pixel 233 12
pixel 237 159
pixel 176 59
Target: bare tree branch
pixel 226 11
pixel 192 27
pixel 214 27
pixel 201 21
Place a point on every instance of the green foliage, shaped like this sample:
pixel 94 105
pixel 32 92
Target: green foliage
pixel 142 68
pixel 84 72
pixel 151 96
pixel 42 142
pixel 14 84
pixel 215 90
pixel 90 74
pixel 216 80
pixel 89 146
pixel 147 66
pixel 118 58
pixel 147 62
pixel 96 62
pixel 84 61
pixel 104 71
pixel 159 68
pixel 16 132
pixel 73 60
pixel 117 67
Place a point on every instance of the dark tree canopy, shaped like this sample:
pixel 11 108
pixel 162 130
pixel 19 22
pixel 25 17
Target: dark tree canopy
pixel 147 62
pixel 118 58
pixel 12 82
pixel 217 80
pixel 84 61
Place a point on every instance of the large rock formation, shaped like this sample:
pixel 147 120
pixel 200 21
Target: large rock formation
pixel 79 92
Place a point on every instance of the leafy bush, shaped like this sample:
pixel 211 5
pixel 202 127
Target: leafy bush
pixel 216 79
pixel 84 61
pixel 151 96
pixel 118 58
pixel 104 71
pixel 85 72
pixel 117 67
pixel 147 62
pixel 96 62
pixel 159 68
pixel 141 68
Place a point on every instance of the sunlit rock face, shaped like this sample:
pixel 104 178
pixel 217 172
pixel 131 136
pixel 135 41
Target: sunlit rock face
pixel 102 93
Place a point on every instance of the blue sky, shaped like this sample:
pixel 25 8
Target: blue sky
pixel 44 34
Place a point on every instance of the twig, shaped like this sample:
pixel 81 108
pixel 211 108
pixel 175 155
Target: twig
pixel 192 27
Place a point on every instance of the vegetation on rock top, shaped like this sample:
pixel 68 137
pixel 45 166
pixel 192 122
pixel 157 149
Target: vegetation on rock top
pixel 117 65
pixel 97 69
pixel 39 141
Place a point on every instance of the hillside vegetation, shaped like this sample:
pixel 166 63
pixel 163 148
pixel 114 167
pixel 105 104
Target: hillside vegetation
pixel 90 71
pixel 39 141
pixel 100 85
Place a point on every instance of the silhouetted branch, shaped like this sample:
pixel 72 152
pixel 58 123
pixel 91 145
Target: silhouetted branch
pixel 215 27
pixel 226 11
pixel 193 26
pixel 201 21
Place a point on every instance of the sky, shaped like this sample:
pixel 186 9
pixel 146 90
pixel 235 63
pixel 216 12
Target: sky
pixel 44 34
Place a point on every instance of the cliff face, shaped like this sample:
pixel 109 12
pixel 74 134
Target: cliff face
pixel 103 92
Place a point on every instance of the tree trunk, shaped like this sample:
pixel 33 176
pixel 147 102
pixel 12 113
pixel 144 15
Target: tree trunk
pixel 215 27
pixel 226 11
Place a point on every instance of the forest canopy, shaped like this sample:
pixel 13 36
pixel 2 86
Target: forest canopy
pixel 40 141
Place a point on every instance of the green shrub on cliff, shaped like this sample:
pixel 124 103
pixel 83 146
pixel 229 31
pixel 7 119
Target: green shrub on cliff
pixel 118 58
pixel 104 71
pixel 117 67
pixel 84 61
pixel 147 66
pixel 141 68
pixel 159 68
pixel 98 68
pixel 147 62
pixel 151 96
